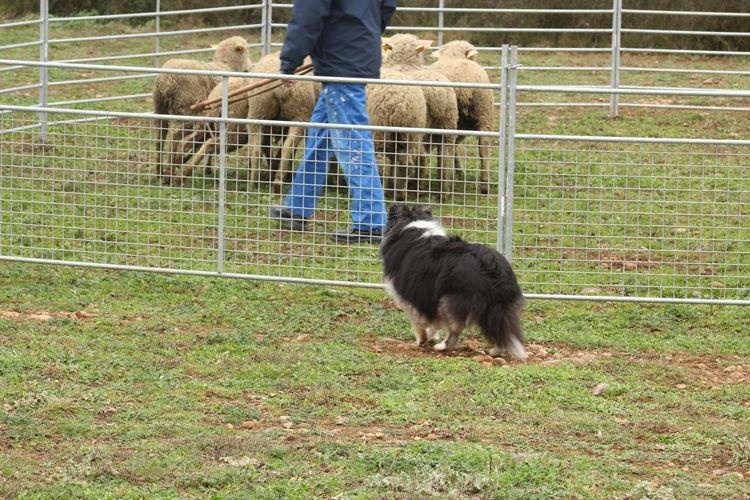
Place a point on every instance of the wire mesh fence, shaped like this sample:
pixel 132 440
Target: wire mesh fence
pixel 659 219
pixel 91 195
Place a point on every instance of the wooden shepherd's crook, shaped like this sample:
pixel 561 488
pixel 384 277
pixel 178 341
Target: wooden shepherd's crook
pixel 201 105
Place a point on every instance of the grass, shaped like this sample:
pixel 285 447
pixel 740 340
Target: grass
pixel 131 385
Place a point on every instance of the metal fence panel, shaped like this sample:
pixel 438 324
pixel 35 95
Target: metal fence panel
pixel 90 196
pixel 633 219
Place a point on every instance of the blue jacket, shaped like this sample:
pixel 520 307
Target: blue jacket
pixel 341 36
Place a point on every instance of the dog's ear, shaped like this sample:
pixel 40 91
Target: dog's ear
pixel 396 211
pixel 422 211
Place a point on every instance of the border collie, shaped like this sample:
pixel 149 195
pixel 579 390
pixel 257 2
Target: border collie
pixel 444 283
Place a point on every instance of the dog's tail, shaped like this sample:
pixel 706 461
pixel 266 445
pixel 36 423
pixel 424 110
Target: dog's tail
pixel 501 325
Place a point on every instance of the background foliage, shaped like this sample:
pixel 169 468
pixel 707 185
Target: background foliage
pixel 16 8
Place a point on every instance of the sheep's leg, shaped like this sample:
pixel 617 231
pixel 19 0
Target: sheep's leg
pixel 162 128
pixel 412 151
pixel 400 169
pixel 385 169
pixel 447 162
pixel 174 141
pixel 292 140
pixel 208 148
pixel 458 167
pixel 255 146
pixel 423 166
pixel 484 155
pixel 187 145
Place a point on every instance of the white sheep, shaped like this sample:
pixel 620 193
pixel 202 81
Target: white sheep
pixel 476 108
pixel 286 103
pixel 174 93
pixel 390 105
pixel 405 53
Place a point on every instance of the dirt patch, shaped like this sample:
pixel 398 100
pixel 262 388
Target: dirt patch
pixel 548 354
pixel 714 371
pixel 43 316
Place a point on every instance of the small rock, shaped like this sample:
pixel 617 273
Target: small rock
pixel 499 362
pixel 288 425
pixel 681 386
pixel 599 389
pixel 340 420
pixel 250 424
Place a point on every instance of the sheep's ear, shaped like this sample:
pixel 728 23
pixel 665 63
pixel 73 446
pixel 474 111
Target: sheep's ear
pixel 423 45
pixel 239 48
pixel 387 46
pixel 472 54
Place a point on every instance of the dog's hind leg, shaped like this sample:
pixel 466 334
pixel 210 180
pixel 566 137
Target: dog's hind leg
pixel 449 343
pixel 515 349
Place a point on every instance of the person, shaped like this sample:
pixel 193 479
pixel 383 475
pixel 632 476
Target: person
pixel 342 37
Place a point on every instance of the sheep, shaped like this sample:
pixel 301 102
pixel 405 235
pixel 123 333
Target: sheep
pixel 476 109
pixel 390 105
pixel 405 53
pixel 174 93
pixel 206 135
pixel 287 103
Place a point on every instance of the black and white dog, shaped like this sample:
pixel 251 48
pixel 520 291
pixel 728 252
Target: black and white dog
pixel 445 283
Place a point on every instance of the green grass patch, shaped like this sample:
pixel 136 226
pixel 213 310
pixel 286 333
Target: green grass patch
pixel 134 384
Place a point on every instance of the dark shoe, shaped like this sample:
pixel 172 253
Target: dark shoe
pixel 287 219
pixel 358 236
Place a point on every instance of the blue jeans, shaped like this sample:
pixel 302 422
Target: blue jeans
pixel 342 103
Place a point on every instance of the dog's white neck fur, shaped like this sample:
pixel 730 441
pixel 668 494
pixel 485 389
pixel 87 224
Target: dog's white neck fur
pixel 431 228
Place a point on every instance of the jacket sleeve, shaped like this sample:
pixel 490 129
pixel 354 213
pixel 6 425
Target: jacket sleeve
pixel 302 32
pixel 388 7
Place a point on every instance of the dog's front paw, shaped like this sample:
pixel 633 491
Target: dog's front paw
pixel 442 346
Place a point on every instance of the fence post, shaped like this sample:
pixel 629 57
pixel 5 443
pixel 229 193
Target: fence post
pixel 43 70
pixel 511 151
pixel 267 29
pixel 502 149
pixel 614 98
pixel 157 29
pixel 222 174
pixel 441 22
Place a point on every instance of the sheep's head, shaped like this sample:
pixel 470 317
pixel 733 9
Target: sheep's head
pixel 405 50
pixel 234 52
pixel 457 49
